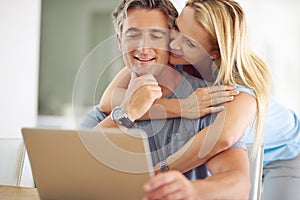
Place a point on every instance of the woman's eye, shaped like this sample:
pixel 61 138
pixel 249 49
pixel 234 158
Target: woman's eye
pixel 190 43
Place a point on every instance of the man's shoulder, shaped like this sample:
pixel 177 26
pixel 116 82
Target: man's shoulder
pixel 92 118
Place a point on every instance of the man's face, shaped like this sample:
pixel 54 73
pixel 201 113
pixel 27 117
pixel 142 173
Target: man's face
pixel 144 40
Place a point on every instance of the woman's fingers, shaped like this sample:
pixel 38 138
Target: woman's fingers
pixel 224 93
pixel 217 88
pixel 220 100
pixel 207 98
pixel 209 110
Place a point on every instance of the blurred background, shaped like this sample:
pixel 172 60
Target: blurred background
pixel 43 43
pixel 70 29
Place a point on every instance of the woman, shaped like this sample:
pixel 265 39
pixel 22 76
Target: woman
pixel 237 65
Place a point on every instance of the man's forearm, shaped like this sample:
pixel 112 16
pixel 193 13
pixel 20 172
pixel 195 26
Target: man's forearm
pixel 230 176
pixel 229 185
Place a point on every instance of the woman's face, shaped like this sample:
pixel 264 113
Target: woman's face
pixel 192 45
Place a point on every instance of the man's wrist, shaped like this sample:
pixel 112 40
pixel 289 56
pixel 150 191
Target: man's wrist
pixel 127 111
pixel 164 166
pixel 120 116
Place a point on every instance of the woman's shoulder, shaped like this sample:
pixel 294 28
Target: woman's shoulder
pixel 246 90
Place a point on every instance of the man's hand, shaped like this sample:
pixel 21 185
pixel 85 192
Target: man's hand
pixel 170 185
pixel 141 93
pixel 207 100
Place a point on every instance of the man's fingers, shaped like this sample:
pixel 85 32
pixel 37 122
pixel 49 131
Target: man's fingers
pixel 170 185
pixel 165 190
pixel 158 181
pixel 147 77
pixel 133 75
pixel 145 80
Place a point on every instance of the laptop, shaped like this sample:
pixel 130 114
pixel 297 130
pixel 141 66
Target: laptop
pixel 106 164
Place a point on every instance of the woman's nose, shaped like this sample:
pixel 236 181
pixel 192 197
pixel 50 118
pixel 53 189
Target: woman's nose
pixel 175 43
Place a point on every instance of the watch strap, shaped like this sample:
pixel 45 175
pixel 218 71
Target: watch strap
pixel 126 122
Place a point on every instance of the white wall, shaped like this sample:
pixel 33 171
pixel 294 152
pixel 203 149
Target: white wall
pixel 19 58
pixel 19 61
pixel 179 4
pixel 274 28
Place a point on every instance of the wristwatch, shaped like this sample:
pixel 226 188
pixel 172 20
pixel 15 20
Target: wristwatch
pixel 119 116
pixel 164 166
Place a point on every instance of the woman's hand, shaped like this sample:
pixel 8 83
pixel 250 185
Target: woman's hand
pixel 207 100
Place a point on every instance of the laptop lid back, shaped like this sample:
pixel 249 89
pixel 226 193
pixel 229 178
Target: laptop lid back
pixel 70 164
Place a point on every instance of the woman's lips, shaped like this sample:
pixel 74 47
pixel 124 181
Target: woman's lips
pixel 174 54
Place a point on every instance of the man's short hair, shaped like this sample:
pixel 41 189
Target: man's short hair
pixel 165 6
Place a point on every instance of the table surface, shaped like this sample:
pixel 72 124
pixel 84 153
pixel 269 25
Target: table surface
pixel 18 193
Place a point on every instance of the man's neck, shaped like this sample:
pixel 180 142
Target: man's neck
pixel 168 80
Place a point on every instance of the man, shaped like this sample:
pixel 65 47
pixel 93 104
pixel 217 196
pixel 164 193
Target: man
pixel 142 30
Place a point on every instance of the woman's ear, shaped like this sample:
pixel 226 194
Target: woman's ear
pixel 215 55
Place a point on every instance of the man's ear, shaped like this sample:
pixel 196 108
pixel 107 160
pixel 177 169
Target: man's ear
pixel 119 43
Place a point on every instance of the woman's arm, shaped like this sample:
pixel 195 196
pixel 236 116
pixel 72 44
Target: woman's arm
pixel 115 91
pixel 226 130
pixel 200 103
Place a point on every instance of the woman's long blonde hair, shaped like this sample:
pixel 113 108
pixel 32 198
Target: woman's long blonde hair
pixel 225 22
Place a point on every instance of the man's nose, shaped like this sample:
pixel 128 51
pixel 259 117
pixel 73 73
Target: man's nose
pixel 144 43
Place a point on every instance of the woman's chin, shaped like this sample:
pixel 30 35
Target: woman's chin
pixel 176 60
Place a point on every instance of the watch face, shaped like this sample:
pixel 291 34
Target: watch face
pixel 118 114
